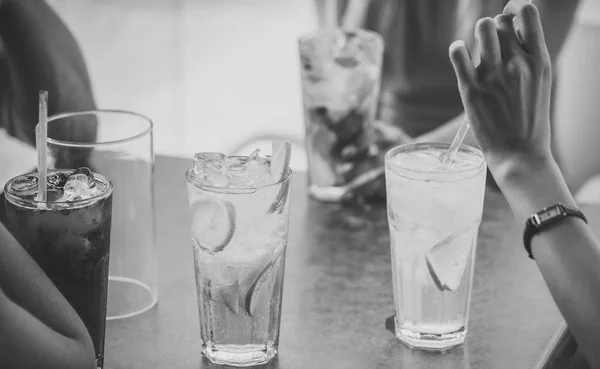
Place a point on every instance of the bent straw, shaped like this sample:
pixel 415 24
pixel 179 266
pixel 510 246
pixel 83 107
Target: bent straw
pixel 458 139
pixel 41 138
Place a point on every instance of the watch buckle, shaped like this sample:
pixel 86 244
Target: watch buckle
pixel 535 220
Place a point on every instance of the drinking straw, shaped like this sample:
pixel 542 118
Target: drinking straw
pixel 458 139
pixel 41 138
pixel 331 13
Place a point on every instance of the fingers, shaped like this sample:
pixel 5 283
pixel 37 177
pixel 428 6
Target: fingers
pixel 506 35
pixel 487 40
pixel 531 29
pixel 463 65
pixel 513 6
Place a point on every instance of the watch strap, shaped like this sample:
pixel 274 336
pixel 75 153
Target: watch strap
pixel 545 219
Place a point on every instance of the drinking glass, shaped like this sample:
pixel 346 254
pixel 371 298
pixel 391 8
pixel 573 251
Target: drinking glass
pixel 340 74
pixel 69 238
pixel 434 212
pixel 239 238
pixel 118 145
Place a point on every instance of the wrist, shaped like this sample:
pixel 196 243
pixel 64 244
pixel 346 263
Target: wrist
pixel 530 185
pixel 521 171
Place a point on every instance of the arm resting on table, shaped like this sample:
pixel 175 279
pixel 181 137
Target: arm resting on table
pixel 39 329
pixel 567 254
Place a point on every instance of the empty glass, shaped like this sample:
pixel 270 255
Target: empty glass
pixel 118 145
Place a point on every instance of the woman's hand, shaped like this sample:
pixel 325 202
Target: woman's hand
pixel 507 96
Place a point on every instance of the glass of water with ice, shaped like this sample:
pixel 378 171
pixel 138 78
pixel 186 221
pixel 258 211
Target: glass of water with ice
pixel 239 227
pixel 340 74
pixel 434 212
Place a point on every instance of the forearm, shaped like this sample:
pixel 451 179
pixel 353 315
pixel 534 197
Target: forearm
pixel 446 132
pixel 42 55
pixel 27 286
pixel 26 342
pixel 567 254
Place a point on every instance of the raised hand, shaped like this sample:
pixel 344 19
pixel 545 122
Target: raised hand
pixel 507 96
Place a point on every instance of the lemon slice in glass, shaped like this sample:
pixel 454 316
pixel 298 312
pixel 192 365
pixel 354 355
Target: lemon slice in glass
pixel 213 223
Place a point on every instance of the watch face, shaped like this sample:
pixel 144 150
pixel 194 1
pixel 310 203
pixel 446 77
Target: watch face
pixel 549 213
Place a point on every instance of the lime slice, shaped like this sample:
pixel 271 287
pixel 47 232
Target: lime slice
pixel 447 260
pixel 260 284
pixel 213 223
pixel 281 153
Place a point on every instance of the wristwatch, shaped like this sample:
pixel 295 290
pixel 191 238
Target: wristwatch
pixel 544 219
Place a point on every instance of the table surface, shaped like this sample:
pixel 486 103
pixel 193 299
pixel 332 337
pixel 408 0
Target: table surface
pixel 338 293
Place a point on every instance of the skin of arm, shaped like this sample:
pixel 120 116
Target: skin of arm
pixel 568 254
pixel 507 99
pixel 39 327
pixel 40 54
pixel 558 16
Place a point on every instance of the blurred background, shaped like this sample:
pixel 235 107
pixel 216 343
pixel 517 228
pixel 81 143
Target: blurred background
pixel 221 75
pixel 211 74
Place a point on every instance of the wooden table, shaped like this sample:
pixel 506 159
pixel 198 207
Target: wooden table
pixel 338 293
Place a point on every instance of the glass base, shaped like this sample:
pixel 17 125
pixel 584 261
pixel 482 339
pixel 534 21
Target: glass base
pixel 128 297
pixel 431 341
pixel 240 355
pixel 327 193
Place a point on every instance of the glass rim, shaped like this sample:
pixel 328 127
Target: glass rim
pixel 314 34
pixel 235 191
pixel 56 117
pixel 72 204
pixel 415 146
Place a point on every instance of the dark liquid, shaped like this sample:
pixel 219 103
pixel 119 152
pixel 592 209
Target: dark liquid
pixel 72 246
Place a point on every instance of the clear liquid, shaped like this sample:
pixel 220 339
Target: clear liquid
pixel 236 330
pixel 426 316
pixel 425 209
pixel 239 286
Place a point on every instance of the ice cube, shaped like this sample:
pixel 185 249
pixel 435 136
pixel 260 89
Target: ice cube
pixel 57 180
pixel 257 170
pixel 235 171
pixel 209 162
pixel 234 168
pixel 257 174
pixel 256 157
pixel 215 180
pixel 86 171
pixel 25 184
pixel 77 188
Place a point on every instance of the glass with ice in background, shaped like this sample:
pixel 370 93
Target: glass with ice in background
pixel 434 212
pixel 340 73
pixel 239 227
pixel 69 237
